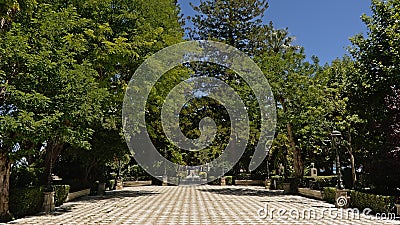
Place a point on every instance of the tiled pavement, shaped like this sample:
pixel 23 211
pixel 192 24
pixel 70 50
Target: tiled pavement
pixel 198 205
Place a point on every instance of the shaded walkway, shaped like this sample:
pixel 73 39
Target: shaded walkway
pixel 197 205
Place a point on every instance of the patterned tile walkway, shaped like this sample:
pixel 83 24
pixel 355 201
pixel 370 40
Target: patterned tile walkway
pixel 199 205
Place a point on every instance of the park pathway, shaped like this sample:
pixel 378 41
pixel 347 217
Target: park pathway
pixel 199 205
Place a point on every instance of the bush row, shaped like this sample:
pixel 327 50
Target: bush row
pixel 360 200
pixel 329 194
pixel 320 182
pixel 378 203
pixel 25 201
pixel 60 194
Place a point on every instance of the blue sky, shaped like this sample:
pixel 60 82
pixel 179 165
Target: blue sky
pixel 323 27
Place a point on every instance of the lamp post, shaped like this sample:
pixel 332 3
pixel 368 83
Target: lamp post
pixel 336 137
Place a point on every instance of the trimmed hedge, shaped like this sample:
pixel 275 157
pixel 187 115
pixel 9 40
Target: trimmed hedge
pixel 378 203
pixel 111 184
pixel 203 175
pixel 360 200
pixel 60 194
pixel 329 194
pixel 278 180
pixel 25 201
pixel 211 180
pixel 228 180
pixel 320 182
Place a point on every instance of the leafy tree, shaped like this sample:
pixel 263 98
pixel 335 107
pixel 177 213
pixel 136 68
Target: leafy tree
pixel 50 94
pixel 233 22
pixel 377 59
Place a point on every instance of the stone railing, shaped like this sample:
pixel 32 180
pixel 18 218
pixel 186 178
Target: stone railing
pixel 73 195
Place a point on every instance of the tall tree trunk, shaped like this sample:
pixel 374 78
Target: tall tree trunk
pixel 53 150
pixel 5 167
pixel 298 161
pixel 353 166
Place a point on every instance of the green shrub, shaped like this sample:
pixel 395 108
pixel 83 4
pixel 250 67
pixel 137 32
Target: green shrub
pixel 212 181
pixel 203 175
pixel 329 194
pixel 378 203
pixel 243 176
pixel 278 180
pixel 111 184
pixel 228 180
pixel 60 194
pixel 173 180
pixel 182 175
pixel 320 182
pixel 25 201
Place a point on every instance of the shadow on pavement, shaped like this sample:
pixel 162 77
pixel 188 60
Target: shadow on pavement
pixel 242 191
pixel 97 201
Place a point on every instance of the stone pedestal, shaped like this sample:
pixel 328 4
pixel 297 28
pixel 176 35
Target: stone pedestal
pixel 267 184
pixel 223 183
pixel 286 188
pixel 48 202
pixel 119 185
pixel 397 209
pixel 165 180
pixel 101 189
pixel 314 172
pixel 342 200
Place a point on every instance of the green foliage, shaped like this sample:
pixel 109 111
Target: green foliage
pixel 329 194
pixel 60 194
pixel 233 22
pixel 228 180
pixel 24 176
pixel 278 180
pixel 377 61
pixel 320 182
pixel 378 203
pixel 25 201
pixel 243 176
pixel 111 184
pixel 203 175
pixel 213 181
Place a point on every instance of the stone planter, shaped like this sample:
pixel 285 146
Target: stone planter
pixel 101 189
pixel 48 202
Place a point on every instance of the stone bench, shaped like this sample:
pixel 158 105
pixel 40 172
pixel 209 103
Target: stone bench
pixel 137 183
pixel 250 182
pixel 307 192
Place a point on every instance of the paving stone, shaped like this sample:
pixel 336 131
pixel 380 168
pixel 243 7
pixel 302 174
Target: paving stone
pixel 198 205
